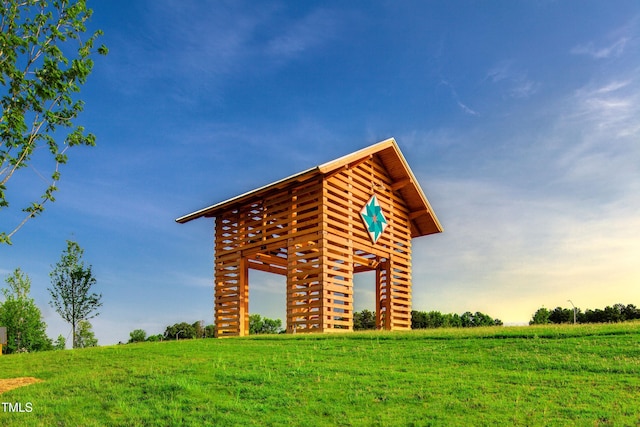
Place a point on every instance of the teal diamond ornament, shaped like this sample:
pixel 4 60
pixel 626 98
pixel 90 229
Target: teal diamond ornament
pixel 374 220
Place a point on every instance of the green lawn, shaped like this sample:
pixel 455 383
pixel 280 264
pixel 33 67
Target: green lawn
pixel 570 375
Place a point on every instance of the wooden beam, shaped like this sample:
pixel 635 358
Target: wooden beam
pixel 362 269
pixel 401 184
pixel 416 214
pixel 268 259
pixel 268 268
pixel 371 263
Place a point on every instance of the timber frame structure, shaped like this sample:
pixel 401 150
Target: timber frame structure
pixel 318 228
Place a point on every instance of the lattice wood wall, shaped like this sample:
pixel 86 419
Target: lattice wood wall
pixel 312 233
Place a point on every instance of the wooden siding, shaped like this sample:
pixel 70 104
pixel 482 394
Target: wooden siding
pixel 312 233
pixel 345 193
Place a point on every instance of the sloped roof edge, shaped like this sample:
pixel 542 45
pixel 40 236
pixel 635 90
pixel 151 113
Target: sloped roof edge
pixel 209 210
pixel 425 220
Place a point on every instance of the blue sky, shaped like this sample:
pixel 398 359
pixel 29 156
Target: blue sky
pixel 521 120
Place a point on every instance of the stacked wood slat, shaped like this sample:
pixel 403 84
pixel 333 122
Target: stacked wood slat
pixel 311 231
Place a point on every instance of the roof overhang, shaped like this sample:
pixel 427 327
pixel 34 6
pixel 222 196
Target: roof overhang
pixel 423 218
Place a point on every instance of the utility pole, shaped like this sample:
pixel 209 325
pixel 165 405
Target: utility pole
pixel 574 311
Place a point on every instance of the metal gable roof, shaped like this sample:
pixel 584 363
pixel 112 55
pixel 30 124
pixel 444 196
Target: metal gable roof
pixel 422 216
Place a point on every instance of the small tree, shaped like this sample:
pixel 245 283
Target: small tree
pixel 60 343
pixel 180 330
pixel 86 337
pixel 70 292
pixel 43 63
pixel 255 324
pixel 260 325
pixel 155 338
pixel 138 335
pixel 631 312
pixel 26 331
pixel 466 319
pixel 209 331
pixel 452 320
pixel 364 320
pixel 561 315
pixel 198 327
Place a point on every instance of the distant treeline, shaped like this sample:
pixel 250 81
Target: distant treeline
pixel 176 331
pixel 435 319
pixel 610 314
pixel 184 330
pixel 366 319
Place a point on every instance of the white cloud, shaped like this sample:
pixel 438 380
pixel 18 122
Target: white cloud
pixel 518 84
pixel 465 108
pixel 524 88
pixel 501 71
pixel 614 49
pixel 611 87
pixel 612 107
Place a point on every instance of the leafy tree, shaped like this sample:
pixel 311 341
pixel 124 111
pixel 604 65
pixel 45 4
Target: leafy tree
pixel 198 327
pixel 616 313
pixel 418 319
pixel 452 321
pixel 71 284
pixel 26 331
pixel 210 331
pixel 44 59
pixel 435 319
pixel 594 316
pixel 540 317
pixel 259 325
pixel 138 335
pixel 631 312
pixel 467 319
pixel 482 319
pixel 561 315
pixel 364 320
pixel 86 337
pixel 60 343
pixel 180 330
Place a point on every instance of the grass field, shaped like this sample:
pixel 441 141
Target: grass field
pixel 569 375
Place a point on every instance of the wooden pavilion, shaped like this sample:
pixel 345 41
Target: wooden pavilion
pixel 318 228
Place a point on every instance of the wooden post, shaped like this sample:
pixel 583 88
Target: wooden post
pixel 243 303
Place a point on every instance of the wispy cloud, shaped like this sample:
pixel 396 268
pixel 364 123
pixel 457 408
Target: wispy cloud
pixel 518 84
pixel 190 50
pixel 612 106
pixel 501 71
pixel 465 108
pixel 613 45
pixel 524 88
pixel 601 52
